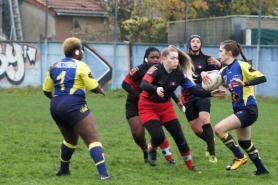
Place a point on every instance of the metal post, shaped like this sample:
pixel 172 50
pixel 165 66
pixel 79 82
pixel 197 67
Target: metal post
pixel 186 25
pixel 45 39
pixel 258 39
pixel 115 43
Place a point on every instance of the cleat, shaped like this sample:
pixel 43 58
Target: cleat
pixel 212 159
pixel 146 156
pixel 60 173
pixel 236 163
pixel 107 177
pixel 257 173
pixel 152 158
pixel 194 169
pixel 171 162
pixel 207 154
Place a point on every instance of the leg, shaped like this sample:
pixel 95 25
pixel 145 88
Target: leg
pixel 67 148
pixel 166 151
pixel 157 137
pixel 221 130
pixel 87 129
pixel 174 128
pixel 138 134
pixel 244 140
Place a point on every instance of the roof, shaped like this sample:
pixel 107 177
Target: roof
pixel 71 7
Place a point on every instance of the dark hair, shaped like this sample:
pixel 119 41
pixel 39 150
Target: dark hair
pixel 148 51
pixel 234 47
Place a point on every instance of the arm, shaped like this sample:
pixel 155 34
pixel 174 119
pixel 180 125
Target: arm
pixel 127 87
pixel 99 90
pixel 255 81
pixel 48 94
pixel 176 99
pixel 148 87
pixel 202 93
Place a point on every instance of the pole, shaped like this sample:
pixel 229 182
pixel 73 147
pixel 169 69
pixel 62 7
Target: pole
pixel 185 25
pixel 258 39
pixel 115 36
pixel 45 40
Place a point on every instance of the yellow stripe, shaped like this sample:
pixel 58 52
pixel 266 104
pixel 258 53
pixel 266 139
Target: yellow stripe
pixel 225 137
pixel 255 151
pixel 248 149
pixel 69 145
pixel 94 144
pixel 64 160
pixel 230 141
pixel 103 161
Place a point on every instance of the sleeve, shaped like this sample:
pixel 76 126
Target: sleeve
pixel 127 87
pixel 199 92
pixel 249 72
pixel 48 84
pixel 148 79
pixel 175 98
pixel 87 77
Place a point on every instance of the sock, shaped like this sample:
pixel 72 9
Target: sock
pixel 166 150
pixel 201 136
pixel 67 150
pixel 255 157
pixel 152 147
pixel 229 141
pixel 209 138
pixel 187 159
pixel 97 154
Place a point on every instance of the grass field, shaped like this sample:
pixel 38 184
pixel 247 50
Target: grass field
pixel 30 145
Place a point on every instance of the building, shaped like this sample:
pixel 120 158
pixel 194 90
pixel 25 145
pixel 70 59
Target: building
pixel 215 30
pixel 65 18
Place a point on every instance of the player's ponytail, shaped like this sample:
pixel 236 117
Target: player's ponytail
pixel 235 48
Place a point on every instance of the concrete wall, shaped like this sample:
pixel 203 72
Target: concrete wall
pixel 33 22
pixel 25 63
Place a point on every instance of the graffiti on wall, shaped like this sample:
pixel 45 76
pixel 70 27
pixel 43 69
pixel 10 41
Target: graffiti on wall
pixel 13 58
pixel 100 66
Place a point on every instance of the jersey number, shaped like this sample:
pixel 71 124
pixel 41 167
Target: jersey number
pixel 61 77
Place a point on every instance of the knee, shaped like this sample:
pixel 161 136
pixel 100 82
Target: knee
pixel 218 131
pixel 158 139
pixel 197 131
pixel 137 137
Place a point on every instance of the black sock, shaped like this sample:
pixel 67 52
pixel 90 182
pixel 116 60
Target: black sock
pixel 209 138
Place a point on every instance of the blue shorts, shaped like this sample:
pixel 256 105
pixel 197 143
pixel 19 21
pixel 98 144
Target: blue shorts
pixel 247 115
pixel 69 109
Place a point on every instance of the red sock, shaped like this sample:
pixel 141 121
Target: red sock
pixel 187 159
pixel 166 150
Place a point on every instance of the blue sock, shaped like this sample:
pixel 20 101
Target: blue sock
pixel 229 141
pixel 255 157
pixel 97 154
pixel 67 150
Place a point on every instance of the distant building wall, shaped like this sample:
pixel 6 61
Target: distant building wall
pixel 33 22
pixel 25 63
pixel 214 30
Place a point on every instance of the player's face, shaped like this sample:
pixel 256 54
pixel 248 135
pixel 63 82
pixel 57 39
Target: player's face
pixel 195 44
pixel 222 55
pixel 171 62
pixel 153 58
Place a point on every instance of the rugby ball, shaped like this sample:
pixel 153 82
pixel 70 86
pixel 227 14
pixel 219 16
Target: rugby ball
pixel 216 80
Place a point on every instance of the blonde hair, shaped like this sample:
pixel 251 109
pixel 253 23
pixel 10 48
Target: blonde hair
pixel 71 44
pixel 185 62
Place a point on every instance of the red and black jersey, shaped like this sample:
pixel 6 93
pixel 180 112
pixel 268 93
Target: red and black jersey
pixel 157 76
pixel 133 80
pixel 200 64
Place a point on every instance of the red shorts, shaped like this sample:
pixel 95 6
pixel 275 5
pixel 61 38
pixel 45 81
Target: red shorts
pixel 163 112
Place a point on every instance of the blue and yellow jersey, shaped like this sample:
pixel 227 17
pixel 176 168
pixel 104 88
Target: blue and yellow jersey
pixel 69 77
pixel 241 96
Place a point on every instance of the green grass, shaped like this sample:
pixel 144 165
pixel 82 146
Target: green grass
pixel 30 145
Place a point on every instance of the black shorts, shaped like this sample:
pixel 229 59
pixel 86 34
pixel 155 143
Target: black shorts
pixel 247 115
pixel 194 107
pixel 69 109
pixel 131 107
